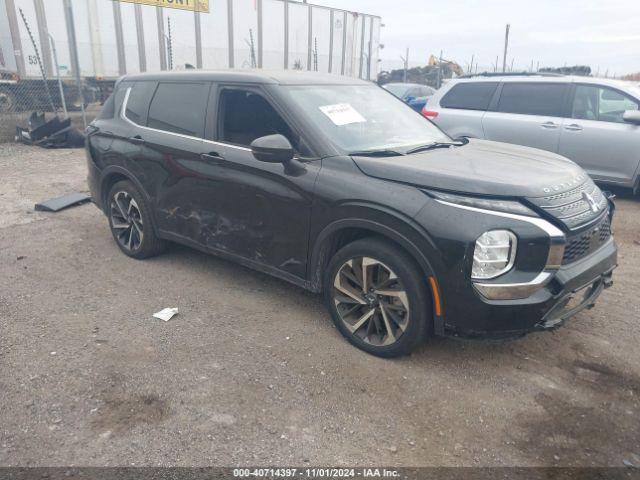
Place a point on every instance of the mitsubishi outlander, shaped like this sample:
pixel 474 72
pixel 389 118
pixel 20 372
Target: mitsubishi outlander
pixel 334 185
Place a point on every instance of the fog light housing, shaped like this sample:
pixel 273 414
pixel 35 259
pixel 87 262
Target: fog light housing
pixel 494 254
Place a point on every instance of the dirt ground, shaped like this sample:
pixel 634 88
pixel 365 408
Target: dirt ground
pixel 252 372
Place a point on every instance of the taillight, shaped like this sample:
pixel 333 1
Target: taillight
pixel 429 113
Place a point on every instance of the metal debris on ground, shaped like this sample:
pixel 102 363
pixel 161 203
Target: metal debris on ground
pixel 54 133
pixel 166 314
pixel 60 203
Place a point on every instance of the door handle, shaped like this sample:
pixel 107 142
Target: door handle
pixel 211 156
pixel 549 125
pixel 573 127
pixel 137 140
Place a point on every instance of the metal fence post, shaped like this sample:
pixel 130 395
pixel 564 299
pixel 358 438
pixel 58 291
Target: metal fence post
pixel 286 34
pixel 370 48
pixel 15 37
pixel 331 20
pixel 361 47
pixel 55 61
pixel 73 50
pixel 43 33
pixel 230 31
pixel 162 42
pixel 344 41
pixel 310 39
pixel 142 53
pixel 260 31
pixel 117 21
pixel 197 26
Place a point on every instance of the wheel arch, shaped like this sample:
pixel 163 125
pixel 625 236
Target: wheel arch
pixel 112 175
pixel 344 231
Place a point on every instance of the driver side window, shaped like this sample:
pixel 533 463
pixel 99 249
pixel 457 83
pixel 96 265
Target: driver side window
pixel 601 104
pixel 245 115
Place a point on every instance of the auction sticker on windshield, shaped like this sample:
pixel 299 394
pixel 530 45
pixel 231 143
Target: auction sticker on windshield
pixel 342 114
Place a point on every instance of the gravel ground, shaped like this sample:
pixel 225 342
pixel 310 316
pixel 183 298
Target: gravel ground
pixel 252 371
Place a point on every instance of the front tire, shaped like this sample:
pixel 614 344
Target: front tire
pixel 378 298
pixel 130 222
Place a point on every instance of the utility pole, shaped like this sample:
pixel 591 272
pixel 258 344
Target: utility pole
pixel 506 46
pixel 405 59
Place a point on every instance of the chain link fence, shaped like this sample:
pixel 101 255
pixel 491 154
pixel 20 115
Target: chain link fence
pixel 20 98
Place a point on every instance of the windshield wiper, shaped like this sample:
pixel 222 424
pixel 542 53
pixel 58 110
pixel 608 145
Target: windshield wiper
pixel 434 145
pixel 376 153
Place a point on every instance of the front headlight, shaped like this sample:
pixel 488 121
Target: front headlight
pixel 494 254
pixel 494 204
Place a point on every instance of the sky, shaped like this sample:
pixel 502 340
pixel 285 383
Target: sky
pixel 604 34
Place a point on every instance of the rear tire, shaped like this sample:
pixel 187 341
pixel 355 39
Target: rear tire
pixel 378 298
pixel 130 222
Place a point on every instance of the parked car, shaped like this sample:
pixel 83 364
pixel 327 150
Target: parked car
pixel 413 94
pixel 330 184
pixel 593 121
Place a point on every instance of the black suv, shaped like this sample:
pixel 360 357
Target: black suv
pixel 336 186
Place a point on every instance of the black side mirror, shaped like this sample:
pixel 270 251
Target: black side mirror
pixel 272 149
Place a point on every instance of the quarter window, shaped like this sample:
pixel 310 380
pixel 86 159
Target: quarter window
pixel 469 96
pixel 179 108
pixel 532 98
pixel 592 102
pixel 138 102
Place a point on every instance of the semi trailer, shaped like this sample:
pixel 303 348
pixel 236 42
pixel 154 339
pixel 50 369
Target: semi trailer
pixel 93 42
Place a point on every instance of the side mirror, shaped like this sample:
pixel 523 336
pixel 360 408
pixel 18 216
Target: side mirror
pixel 631 116
pixel 272 149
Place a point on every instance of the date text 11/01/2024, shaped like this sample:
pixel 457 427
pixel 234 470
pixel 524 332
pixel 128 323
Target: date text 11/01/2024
pixel 315 472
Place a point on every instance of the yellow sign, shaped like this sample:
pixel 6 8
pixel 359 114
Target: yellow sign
pixel 192 5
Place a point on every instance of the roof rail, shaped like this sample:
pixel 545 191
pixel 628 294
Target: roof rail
pixel 512 74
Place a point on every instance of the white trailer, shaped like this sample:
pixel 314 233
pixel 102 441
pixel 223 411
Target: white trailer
pixel 100 40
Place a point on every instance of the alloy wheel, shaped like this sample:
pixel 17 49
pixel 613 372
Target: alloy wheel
pixel 126 221
pixel 371 301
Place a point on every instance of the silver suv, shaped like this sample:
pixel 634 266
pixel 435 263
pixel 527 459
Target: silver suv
pixel 593 121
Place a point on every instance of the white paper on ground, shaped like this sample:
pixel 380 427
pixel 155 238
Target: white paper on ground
pixel 342 114
pixel 166 314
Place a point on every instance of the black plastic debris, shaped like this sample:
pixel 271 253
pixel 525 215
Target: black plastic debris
pixel 54 133
pixel 60 203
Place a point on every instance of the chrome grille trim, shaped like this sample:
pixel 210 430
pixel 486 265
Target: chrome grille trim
pixel 572 207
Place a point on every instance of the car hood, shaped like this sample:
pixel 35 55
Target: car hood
pixel 480 167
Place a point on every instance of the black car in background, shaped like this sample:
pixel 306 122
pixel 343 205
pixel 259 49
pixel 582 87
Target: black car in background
pixel 333 185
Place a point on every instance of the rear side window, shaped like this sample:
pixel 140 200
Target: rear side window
pixel 533 98
pixel 179 108
pixel 469 96
pixel 138 102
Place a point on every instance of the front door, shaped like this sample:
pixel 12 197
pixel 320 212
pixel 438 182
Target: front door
pixel 597 138
pixel 262 210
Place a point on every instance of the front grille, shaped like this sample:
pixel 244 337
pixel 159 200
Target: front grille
pixel 574 208
pixel 582 244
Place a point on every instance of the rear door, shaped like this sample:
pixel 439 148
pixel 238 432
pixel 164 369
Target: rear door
pixel 171 144
pixel 462 108
pixel 528 113
pixel 597 138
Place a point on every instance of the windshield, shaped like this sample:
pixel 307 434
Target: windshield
pixel 363 117
pixel 398 89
